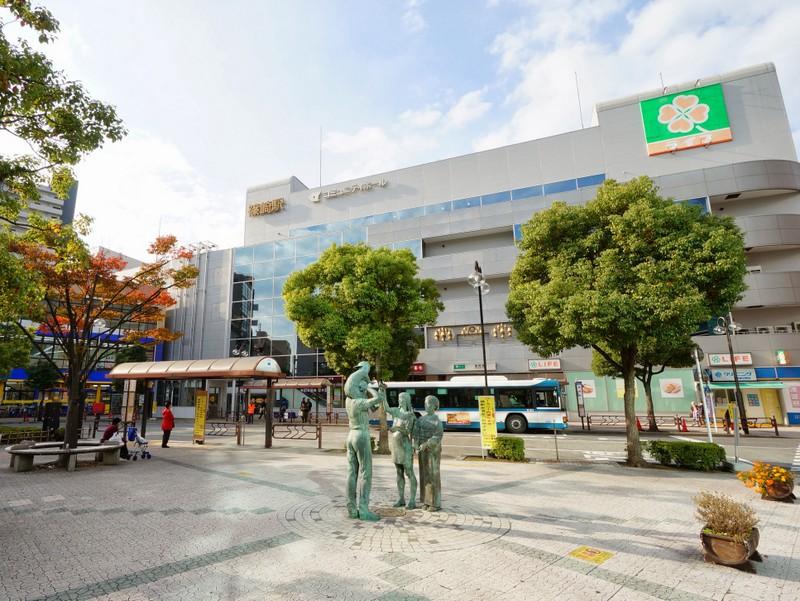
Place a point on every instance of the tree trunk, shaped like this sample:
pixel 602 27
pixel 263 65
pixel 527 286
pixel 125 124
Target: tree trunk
pixel 74 412
pixel 647 381
pixel 633 446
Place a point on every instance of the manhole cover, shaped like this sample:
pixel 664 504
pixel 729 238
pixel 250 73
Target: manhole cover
pixel 459 525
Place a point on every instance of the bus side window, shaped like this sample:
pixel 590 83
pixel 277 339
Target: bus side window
pixel 511 398
pixel 392 397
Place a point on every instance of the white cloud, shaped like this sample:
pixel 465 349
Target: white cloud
pixel 136 186
pixel 412 16
pixel 421 118
pixel 468 108
pixel 681 39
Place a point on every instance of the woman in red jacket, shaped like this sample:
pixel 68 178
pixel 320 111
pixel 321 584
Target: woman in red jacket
pixel 167 423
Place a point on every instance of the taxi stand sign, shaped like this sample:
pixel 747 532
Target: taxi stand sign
pixel 488 422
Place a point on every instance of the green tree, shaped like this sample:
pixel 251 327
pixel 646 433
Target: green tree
pixel 15 349
pixel 58 122
pixel 55 117
pixel 626 268
pixel 652 359
pixel 360 303
pixel 43 376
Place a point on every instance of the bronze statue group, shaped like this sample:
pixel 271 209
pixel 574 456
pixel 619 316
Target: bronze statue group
pixel 408 434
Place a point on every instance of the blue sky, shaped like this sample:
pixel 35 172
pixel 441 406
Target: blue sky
pixel 222 96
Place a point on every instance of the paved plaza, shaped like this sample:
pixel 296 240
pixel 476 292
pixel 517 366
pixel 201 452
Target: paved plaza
pixel 219 522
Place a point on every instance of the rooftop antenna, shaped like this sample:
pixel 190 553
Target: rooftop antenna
pixel 578 91
pixel 663 87
pixel 320 156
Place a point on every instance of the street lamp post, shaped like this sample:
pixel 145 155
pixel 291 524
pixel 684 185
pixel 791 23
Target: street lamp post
pixel 725 326
pixel 478 282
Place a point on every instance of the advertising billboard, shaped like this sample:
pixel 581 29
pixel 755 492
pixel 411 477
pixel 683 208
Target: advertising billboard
pixel 689 119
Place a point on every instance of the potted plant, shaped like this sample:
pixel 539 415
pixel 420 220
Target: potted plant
pixel 729 534
pixel 775 483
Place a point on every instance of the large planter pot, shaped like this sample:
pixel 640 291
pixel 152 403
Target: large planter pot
pixel 726 551
pixel 779 491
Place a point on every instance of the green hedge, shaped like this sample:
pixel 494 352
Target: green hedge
pixel 12 429
pixel 510 447
pixel 705 456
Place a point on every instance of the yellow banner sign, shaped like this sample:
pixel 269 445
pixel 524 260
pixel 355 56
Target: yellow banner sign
pixel 488 422
pixel 595 556
pixel 200 406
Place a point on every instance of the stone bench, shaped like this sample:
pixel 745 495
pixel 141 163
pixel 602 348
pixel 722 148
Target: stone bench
pixel 22 455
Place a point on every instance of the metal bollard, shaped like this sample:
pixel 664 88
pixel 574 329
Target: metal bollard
pixel 319 436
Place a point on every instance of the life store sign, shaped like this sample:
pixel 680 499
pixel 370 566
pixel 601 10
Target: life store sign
pixel 689 119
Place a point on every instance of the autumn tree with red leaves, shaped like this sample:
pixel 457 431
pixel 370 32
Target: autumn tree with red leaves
pixel 90 297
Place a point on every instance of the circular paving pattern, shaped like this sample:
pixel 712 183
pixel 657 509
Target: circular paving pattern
pixel 458 525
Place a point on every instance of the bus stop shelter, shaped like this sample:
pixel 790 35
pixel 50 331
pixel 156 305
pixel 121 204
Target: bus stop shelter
pixel 265 369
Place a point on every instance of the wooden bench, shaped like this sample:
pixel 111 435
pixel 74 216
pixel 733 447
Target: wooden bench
pixel 22 454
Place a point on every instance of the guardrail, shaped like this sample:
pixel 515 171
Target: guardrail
pixel 298 432
pixel 599 419
pixel 763 422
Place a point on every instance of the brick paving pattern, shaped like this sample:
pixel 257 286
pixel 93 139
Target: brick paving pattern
pixel 223 523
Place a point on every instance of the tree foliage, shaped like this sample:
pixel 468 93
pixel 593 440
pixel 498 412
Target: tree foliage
pixel 43 375
pixel 55 117
pixel 360 303
pixel 627 269
pixel 91 303
pixel 15 349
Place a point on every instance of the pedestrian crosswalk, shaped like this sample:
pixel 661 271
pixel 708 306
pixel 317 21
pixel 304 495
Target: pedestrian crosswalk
pixel 611 456
pixel 796 461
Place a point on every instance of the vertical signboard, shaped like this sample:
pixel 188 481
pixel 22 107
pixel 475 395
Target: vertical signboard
pixel 690 119
pixel 579 396
pixel 488 422
pixel 200 406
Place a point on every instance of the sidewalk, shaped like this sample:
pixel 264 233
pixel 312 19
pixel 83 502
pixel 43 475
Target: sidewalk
pixel 221 523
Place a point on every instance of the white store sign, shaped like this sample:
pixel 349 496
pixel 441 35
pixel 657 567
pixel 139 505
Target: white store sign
pixel 725 374
pixel 467 366
pixel 715 359
pixel 547 364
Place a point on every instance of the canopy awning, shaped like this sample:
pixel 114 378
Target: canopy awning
pixel 290 383
pixel 732 385
pixel 230 368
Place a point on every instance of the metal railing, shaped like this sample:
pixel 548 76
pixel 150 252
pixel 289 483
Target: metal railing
pixel 298 432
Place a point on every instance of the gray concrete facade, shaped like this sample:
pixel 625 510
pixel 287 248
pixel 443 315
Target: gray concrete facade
pixel 453 212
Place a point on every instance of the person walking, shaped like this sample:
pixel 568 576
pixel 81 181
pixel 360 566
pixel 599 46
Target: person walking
pixel 251 411
pixel 167 424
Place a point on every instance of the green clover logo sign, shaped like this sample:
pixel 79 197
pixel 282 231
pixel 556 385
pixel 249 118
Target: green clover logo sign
pixel 685 120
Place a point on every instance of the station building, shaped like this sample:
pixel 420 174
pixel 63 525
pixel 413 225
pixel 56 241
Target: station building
pixel 722 142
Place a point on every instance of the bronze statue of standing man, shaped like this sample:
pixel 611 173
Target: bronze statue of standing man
pixel 361 397
pixel 428 433
pixel 402 451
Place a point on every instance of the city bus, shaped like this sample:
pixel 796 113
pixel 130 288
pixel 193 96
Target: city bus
pixel 519 404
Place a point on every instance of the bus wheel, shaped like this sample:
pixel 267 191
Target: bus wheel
pixel 516 424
